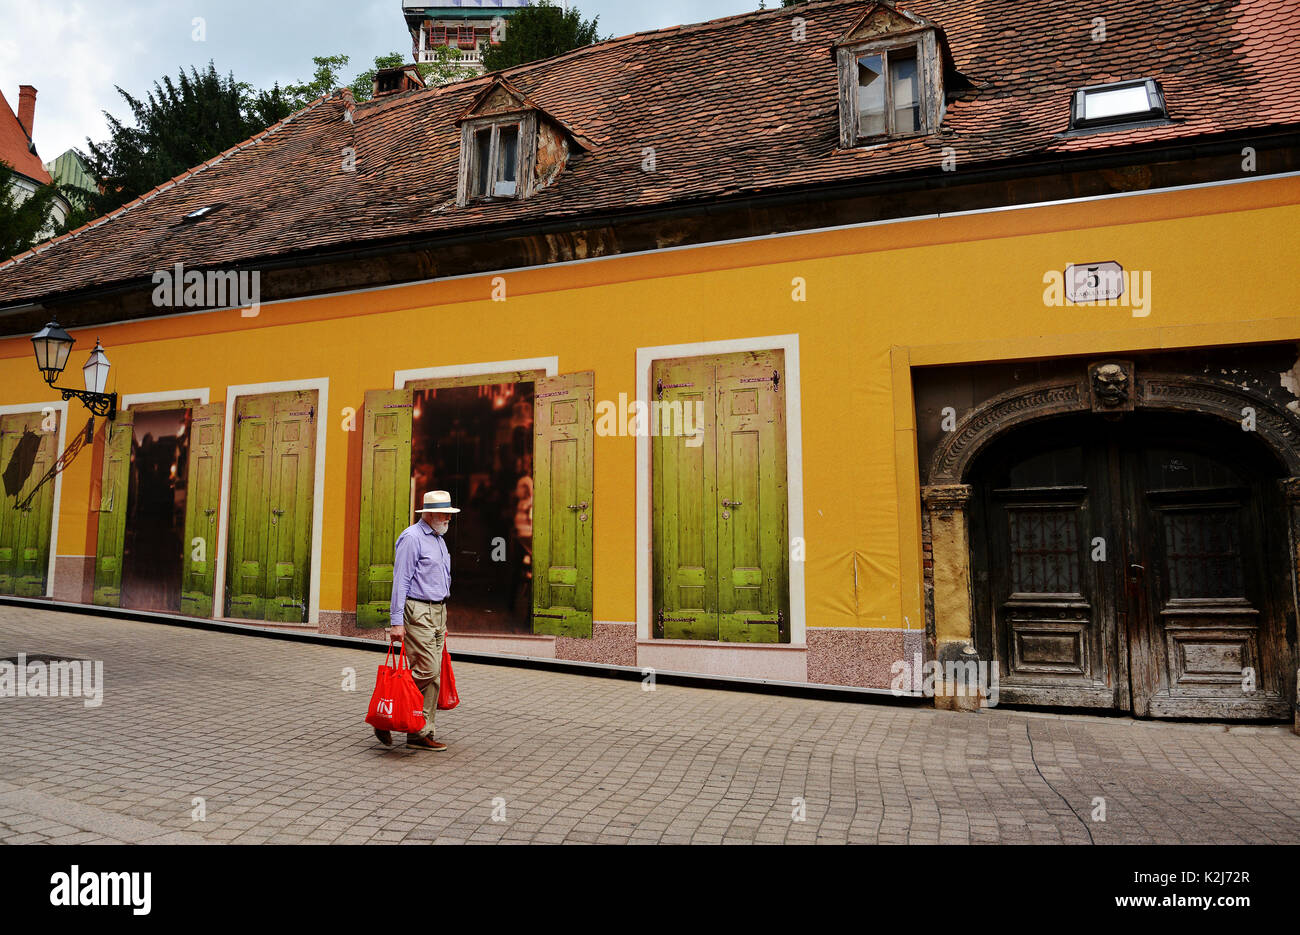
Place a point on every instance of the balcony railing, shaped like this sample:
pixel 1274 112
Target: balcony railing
pixel 467 56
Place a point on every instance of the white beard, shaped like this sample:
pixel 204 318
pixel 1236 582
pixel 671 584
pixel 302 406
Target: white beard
pixel 441 527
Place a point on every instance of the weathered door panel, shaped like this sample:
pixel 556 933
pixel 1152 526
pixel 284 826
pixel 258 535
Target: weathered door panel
pixel 25 533
pixel 202 503
pixel 385 499
pixel 293 463
pixel 249 523
pixel 563 451
pixel 1052 542
pixel 1133 566
pixel 33 552
pixel 10 435
pixel 1210 638
pixel 685 499
pixel 114 489
pixel 751 499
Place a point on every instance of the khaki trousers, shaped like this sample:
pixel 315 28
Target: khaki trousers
pixel 426 629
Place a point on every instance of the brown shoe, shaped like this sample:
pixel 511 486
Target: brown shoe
pixel 384 737
pixel 424 743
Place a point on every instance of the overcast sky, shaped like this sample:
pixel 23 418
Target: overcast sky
pixel 75 51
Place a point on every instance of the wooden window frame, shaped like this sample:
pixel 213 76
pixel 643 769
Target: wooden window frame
pixel 470 170
pixel 929 87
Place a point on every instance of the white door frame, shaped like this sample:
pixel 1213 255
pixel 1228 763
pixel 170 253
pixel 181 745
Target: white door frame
pixel 401 378
pixel 322 386
pixel 61 408
pixel 645 357
pixel 131 399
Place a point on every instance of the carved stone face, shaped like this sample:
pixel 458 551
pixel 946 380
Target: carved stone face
pixel 1110 383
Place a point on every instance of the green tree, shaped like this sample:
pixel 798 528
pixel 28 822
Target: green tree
pixel 323 81
pixel 538 32
pixel 176 126
pixel 23 220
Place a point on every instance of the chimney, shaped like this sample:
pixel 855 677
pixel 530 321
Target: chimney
pixel 26 107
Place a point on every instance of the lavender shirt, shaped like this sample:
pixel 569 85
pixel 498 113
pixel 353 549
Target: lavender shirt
pixel 421 569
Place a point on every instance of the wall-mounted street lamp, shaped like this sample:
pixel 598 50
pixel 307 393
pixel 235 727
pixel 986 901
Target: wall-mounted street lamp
pixel 53 345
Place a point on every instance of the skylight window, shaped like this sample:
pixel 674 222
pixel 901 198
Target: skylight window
pixel 1104 105
pixel 200 213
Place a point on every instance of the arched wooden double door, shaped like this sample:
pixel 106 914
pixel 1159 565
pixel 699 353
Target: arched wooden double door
pixel 1136 564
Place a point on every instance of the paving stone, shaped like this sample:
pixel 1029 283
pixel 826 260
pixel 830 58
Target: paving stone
pixel 581 760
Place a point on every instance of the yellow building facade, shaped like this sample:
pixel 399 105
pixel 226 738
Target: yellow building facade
pixel 857 314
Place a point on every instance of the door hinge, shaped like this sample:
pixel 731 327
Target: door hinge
pixel 660 386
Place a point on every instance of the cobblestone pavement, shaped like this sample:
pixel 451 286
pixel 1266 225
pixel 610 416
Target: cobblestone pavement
pixel 262 732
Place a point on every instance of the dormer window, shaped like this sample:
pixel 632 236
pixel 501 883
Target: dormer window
pixel 497 156
pixel 888 93
pixel 495 172
pixel 509 147
pixel 890 77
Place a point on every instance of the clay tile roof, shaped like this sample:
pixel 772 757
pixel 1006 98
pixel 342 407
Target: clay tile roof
pixel 731 107
pixel 15 146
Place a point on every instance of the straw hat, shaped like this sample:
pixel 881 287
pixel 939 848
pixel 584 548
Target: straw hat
pixel 437 501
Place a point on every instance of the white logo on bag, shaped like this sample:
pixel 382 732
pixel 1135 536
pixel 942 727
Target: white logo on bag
pixel 386 707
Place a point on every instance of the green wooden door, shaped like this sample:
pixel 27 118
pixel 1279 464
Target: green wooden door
pixel 751 504
pixel 686 523
pixel 719 508
pixel 113 496
pixel 293 467
pixel 202 501
pixel 10 434
pixel 246 548
pixel 563 410
pixel 385 499
pixel 25 533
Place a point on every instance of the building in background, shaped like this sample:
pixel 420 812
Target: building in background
pixel 18 149
pixel 878 337
pixel 70 171
pixel 465 26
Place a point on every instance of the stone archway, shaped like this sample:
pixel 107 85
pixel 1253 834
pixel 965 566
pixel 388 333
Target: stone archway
pixel 1108 387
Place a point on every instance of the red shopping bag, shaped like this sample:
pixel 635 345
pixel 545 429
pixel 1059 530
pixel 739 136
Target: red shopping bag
pixel 447 697
pixel 396 704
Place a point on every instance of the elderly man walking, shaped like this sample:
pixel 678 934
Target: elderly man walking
pixel 418 612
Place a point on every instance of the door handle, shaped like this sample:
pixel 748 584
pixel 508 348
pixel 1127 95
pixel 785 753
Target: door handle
pixel 730 503
pixel 578 506
pixel 1134 570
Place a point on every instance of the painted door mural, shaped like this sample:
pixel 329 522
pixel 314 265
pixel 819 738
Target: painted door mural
pixel 1131 566
pixel 563 413
pixel 28 448
pixel 159 496
pixel 114 490
pixel 719 498
pixel 271 498
pixel 385 499
pixel 514 461
pixel 207 426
